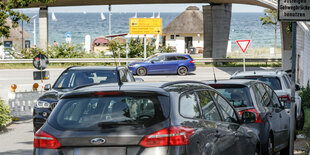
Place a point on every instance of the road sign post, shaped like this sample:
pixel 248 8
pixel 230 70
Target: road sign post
pixel 293 11
pixel 68 37
pixel 243 44
pixel 144 26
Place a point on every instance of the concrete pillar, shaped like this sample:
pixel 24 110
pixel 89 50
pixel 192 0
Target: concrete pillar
pixel 216 22
pixel 43 28
pixel 286 38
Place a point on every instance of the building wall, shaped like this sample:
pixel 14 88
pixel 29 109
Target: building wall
pixel 303 56
pixel 179 42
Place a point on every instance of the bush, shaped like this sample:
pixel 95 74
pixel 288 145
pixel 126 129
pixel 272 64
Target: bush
pixel 4 114
pixel 167 49
pixel 305 96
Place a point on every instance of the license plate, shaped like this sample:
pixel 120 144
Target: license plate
pixel 100 151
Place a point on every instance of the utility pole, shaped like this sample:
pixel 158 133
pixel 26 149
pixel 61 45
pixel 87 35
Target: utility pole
pixel 110 33
pixel 292 110
pixel 22 34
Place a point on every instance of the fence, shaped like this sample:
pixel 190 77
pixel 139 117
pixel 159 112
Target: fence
pixel 109 60
pixel 22 103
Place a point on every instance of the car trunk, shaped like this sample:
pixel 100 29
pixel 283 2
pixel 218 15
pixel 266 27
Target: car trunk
pixel 106 122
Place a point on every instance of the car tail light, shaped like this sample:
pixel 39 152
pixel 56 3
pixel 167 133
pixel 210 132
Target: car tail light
pixel 284 98
pixel 193 61
pixel 169 136
pixel 258 117
pixel 45 140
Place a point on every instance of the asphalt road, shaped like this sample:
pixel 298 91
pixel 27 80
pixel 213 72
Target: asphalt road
pixel 18 138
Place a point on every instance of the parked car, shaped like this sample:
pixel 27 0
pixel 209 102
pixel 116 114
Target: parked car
pixel 280 82
pixel 184 117
pixel 72 78
pixel 272 121
pixel 164 63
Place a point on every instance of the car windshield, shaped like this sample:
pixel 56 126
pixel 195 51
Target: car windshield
pixel 238 97
pixel 75 78
pixel 95 113
pixel 273 82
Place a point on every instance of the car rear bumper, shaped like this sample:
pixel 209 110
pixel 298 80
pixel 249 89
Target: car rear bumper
pixel 133 70
pixel 131 150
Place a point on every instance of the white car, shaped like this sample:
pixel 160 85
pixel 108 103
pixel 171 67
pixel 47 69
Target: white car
pixel 280 82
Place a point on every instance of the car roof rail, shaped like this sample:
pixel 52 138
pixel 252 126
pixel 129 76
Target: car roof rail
pixel 180 82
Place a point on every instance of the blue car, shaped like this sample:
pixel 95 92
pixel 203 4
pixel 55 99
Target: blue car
pixel 164 63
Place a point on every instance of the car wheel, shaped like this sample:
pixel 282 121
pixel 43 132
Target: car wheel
pixel 141 71
pixel 300 123
pixel 182 70
pixel 270 146
pixel 286 150
pixel 257 150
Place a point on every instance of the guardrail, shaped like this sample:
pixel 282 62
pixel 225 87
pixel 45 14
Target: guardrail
pixel 111 60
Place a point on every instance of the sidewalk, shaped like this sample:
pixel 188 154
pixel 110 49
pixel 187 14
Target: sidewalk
pixel 18 138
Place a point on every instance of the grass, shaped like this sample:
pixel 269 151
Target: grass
pixel 306 129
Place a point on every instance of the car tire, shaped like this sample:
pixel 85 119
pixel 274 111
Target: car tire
pixel 300 123
pixel 270 146
pixel 182 70
pixel 141 71
pixel 286 150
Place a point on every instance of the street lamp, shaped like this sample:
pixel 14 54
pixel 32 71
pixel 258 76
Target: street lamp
pixel 34 29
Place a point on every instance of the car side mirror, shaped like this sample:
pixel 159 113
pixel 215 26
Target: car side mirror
pixel 152 61
pixel 248 117
pixel 297 87
pixel 47 87
pixel 137 79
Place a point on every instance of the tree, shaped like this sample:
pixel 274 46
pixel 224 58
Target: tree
pixel 7 12
pixel 271 18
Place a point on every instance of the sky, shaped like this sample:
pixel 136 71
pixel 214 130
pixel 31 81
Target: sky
pixel 144 8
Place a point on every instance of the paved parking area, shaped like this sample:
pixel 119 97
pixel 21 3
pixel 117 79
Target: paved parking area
pixel 18 138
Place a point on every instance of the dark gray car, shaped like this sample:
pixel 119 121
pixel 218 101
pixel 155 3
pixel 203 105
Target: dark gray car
pixel 272 123
pixel 184 117
pixel 70 79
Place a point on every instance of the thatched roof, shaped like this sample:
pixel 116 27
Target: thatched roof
pixel 189 21
pixel 16 32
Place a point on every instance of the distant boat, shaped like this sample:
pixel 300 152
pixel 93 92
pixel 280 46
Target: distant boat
pixel 153 15
pixel 136 15
pixel 158 16
pixel 102 16
pixel 84 12
pixel 54 17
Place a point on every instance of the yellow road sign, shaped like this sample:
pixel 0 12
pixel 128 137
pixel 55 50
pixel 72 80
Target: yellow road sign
pixel 145 25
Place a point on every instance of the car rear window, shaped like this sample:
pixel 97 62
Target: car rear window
pixel 237 96
pixel 95 113
pixel 273 82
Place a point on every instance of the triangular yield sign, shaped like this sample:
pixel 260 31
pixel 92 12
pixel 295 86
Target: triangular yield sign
pixel 243 44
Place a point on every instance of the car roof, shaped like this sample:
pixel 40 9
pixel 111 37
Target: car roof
pixel 243 82
pixel 94 68
pixel 162 88
pixel 173 54
pixel 268 73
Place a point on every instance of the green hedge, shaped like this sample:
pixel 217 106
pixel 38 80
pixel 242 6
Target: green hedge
pixel 5 116
pixel 305 96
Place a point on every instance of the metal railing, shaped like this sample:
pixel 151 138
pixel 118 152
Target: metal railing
pixel 111 60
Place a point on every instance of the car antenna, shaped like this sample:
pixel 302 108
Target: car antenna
pixel 214 76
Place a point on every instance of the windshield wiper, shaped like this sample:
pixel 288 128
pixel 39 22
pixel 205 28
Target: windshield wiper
pixel 61 88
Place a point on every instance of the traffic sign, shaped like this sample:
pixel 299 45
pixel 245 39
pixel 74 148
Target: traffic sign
pixel 243 44
pixel 145 26
pixel 294 10
pixel 68 35
pixel 40 61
